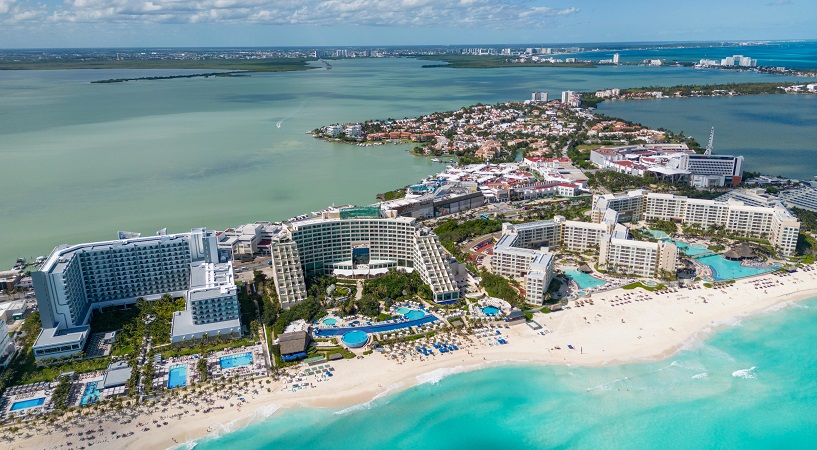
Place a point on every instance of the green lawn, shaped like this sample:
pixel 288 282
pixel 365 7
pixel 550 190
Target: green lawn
pixel 641 285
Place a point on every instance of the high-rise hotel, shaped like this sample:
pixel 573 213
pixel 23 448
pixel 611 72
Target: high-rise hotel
pixel 74 280
pixel 357 241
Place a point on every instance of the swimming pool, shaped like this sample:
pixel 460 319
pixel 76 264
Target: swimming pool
pixel 90 394
pixel 490 310
pixel 230 361
pixel 723 269
pixel 414 314
pixel 410 314
pixel 377 328
pixel 330 321
pixel 25 404
pixel 691 250
pixel 584 280
pixel 355 339
pixel 177 376
pixel 658 234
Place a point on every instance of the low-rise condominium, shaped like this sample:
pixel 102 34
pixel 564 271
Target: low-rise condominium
pixel 773 222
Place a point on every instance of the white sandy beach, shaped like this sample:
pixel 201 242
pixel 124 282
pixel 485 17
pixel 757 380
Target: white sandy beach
pixel 653 327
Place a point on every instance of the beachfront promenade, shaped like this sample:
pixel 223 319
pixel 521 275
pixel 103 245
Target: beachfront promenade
pixel 616 327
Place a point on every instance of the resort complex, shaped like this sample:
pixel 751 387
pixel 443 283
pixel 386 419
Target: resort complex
pixel 575 251
pixel 358 241
pixel 775 222
pixel 75 280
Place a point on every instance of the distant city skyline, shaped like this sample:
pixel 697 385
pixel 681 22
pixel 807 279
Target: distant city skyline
pixel 205 23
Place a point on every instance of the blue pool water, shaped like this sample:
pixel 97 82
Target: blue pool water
pixel 177 376
pixel 490 310
pixel 379 328
pixel 691 250
pixel 30 403
pixel 658 234
pixel 414 314
pixel 723 269
pixel 355 339
pixel 91 393
pixel 402 310
pixel 584 280
pixel 230 361
pixel 331 321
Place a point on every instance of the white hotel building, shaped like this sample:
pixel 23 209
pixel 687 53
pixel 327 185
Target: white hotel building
pixel 773 222
pixel 74 280
pixel 522 251
pixel 358 242
pixel 644 259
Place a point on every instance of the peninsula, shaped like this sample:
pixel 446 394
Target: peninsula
pixel 560 237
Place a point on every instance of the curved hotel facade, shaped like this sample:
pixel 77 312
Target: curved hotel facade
pixel 358 242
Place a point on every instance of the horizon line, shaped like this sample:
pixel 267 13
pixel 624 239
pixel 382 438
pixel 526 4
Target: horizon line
pixel 519 44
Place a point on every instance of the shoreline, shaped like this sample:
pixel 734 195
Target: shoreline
pixel 646 328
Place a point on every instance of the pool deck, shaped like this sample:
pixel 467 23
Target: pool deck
pixel 16 394
pixel 257 368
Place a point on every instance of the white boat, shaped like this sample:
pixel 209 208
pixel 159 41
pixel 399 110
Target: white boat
pixel 435 160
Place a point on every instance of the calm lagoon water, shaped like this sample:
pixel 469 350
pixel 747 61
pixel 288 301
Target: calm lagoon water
pixel 749 386
pixel 82 161
pixel 777 134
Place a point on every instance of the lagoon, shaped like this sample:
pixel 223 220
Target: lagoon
pixel 82 161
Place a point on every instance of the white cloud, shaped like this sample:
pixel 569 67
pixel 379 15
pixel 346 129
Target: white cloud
pixel 410 13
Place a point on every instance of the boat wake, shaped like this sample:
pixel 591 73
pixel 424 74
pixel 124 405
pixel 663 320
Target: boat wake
pixel 290 115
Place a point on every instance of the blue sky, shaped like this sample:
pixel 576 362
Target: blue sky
pixel 136 23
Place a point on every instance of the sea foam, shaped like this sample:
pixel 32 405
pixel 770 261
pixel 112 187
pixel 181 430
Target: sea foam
pixel 745 373
pixel 370 403
pixel 435 376
pixel 220 429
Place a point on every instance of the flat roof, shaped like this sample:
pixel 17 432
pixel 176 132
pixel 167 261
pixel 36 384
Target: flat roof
pixel 117 374
pixel 183 324
pixel 58 259
pixel 53 336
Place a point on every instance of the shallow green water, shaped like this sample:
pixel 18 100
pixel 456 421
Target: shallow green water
pixel 81 161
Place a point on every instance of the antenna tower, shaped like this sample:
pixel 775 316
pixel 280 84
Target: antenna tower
pixel 709 145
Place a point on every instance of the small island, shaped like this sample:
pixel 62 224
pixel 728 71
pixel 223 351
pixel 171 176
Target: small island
pixel 171 77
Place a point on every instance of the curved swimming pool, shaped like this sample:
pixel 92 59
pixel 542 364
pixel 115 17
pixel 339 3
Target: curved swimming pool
pixel 330 321
pixel 584 280
pixel 490 310
pixel 355 339
pixel 724 269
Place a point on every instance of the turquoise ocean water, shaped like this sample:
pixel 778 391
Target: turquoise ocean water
pixel 751 385
pixel 791 54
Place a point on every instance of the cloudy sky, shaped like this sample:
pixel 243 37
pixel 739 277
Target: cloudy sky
pixel 135 23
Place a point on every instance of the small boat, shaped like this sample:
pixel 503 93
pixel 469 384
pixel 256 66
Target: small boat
pixel 435 160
